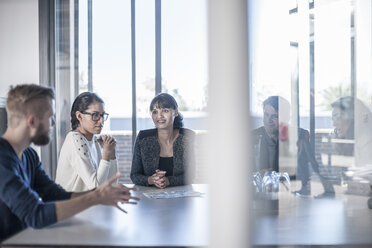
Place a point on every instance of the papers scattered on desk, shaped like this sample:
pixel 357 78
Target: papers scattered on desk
pixel 172 194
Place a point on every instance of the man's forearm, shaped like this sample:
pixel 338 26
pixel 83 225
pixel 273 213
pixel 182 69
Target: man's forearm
pixel 105 194
pixel 77 203
pixel 77 194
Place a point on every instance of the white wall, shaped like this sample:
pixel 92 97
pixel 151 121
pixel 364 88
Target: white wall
pixel 19 43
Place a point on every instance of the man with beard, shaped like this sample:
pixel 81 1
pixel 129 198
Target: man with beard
pixel 28 197
pixel 266 137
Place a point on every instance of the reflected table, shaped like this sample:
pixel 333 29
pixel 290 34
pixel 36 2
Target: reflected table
pixel 152 222
pixel 342 221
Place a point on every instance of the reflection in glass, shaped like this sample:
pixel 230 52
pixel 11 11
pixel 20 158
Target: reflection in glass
pixel 269 142
pixel 331 129
pixel 325 144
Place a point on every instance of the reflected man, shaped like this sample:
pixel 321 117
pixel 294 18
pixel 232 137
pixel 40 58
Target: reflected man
pixel 266 138
pixel 266 141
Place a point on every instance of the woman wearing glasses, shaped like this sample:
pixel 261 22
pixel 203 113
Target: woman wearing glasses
pixel 164 156
pixel 86 161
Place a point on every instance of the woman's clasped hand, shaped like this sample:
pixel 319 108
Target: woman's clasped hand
pixel 158 179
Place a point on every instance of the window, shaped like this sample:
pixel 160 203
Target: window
pixel 112 47
pixel 184 57
pixel 145 61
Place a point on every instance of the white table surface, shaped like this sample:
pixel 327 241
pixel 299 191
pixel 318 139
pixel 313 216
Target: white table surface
pixel 344 221
pixel 152 222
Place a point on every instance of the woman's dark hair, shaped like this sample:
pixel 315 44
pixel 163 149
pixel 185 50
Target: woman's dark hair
pixel 81 104
pixel 164 100
pixel 346 105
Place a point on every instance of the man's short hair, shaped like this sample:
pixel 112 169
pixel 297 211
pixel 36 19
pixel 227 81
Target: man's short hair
pixel 272 101
pixel 279 102
pixel 21 98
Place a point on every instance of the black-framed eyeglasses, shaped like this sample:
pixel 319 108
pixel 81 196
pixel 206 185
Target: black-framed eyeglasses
pixel 97 116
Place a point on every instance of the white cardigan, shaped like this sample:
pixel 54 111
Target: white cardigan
pixel 77 169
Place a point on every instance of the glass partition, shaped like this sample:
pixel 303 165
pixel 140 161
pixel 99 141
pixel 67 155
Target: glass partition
pixel 311 106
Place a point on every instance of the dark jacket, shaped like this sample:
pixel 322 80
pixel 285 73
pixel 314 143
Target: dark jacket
pixel 147 152
pixel 267 153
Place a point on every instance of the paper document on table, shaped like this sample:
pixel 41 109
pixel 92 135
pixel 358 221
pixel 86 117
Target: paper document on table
pixel 171 194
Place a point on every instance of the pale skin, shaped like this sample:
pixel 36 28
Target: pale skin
pixel 340 122
pixel 271 124
pixel 20 133
pixel 271 121
pixel 163 119
pixel 88 128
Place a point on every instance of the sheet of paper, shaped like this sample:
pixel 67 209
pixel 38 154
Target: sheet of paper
pixel 172 194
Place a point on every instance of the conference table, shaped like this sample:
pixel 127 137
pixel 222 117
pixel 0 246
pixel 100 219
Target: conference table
pixel 175 222
pixel 342 221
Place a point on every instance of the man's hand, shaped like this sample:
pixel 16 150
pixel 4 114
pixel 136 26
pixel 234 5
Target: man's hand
pixel 108 194
pixel 105 194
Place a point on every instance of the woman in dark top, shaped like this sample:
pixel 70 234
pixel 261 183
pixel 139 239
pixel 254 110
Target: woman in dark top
pixel 164 156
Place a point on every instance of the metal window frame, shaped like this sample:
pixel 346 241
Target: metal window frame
pixel 66 68
pixel 47 23
pixel 312 76
pixel 90 45
pixel 133 53
pixel 133 59
pixel 76 47
pixel 158 68
pixel 312 96
pixel 47 73
pixel 157 47
pixel 48 14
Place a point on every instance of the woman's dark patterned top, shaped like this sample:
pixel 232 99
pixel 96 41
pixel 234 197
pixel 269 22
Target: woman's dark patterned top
pixel 147 153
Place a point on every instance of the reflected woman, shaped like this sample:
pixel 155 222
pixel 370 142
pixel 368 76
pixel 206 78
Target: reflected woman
pixel 164 156
pixel 352 120
pixel 343 117
pixel 86 161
